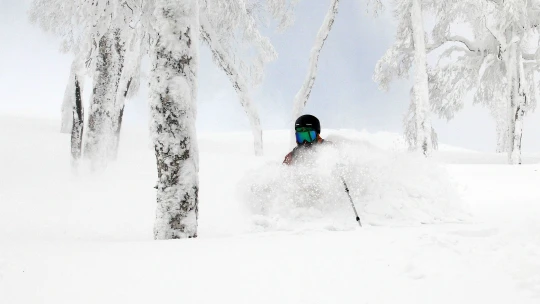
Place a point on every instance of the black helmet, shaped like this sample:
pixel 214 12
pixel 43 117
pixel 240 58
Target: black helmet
pixel 309 121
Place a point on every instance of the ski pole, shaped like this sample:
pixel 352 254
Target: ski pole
pixel 352 203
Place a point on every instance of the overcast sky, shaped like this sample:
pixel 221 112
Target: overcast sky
pixel 33 75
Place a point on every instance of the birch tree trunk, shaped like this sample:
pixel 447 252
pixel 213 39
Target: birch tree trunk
pixel 517 104
pixel 515 156
pixel 121 93
pixel 301 98
pixel 120 102
pixel 421 87
pixel 501 126
pixel 77 125
pixel 130 55
pixel 239 84
pixel 103 110
pixel 173 92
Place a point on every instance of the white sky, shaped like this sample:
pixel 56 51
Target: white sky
pixel 33 75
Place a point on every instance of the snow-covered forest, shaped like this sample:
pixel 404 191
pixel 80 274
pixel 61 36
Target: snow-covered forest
pixel 496 59
pixel 85 196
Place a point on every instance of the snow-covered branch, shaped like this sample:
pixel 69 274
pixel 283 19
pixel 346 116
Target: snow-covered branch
pixel 450 83
pixel 449 52
pixel 302 96
pixel 209 36
pixel 497 35
pixel 470 45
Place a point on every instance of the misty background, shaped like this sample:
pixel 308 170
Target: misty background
pixel 33 76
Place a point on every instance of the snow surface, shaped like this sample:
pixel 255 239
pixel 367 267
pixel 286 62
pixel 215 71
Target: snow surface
pixel 88 238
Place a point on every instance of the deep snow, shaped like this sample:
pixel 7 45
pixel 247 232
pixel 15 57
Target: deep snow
pixel 87 238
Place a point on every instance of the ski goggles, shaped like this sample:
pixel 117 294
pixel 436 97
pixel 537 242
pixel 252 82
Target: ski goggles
pixel 305 135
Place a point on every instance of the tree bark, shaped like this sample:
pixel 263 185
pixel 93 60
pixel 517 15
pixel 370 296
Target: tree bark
pixel 78 125
pixel 103 110
pixel 118 122
pixel 124 81
pixel 518 99
pixel 173 92
pixel 421 86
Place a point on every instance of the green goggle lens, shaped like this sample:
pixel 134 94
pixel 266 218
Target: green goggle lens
pixel 305 135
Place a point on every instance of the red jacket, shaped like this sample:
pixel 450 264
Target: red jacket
pixel 290 157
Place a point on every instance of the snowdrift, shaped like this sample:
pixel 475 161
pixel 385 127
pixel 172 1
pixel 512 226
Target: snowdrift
pixel 388 186
pixel 88 238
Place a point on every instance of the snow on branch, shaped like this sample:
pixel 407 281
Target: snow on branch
pixel 301 98
pixel 208 35
pixel 395 63
pixel 449 84
pixel 470 45
pixel 236 28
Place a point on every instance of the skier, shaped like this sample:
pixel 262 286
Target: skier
pixel 308 130
pixel 308 139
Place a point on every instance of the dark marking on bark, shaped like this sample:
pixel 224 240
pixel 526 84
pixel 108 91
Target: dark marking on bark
pixel 78 123
pixel 188 36
pixel 176 222
pixel 186 207
pixel 127 87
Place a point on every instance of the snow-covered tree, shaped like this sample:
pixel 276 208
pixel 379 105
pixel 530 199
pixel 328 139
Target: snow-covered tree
pixel 73 111
pixel 169 30
pixel 173 93
pixel 103 113
pixel 96 32
pixel 497 61
pixel 232 31
pixel 302 97
pixel 410 47
pixel 240 50
pixel 117 67
pixel 129 83
pixel 239 84
pixel 132 46
pixel 52 16
pixel 77 123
